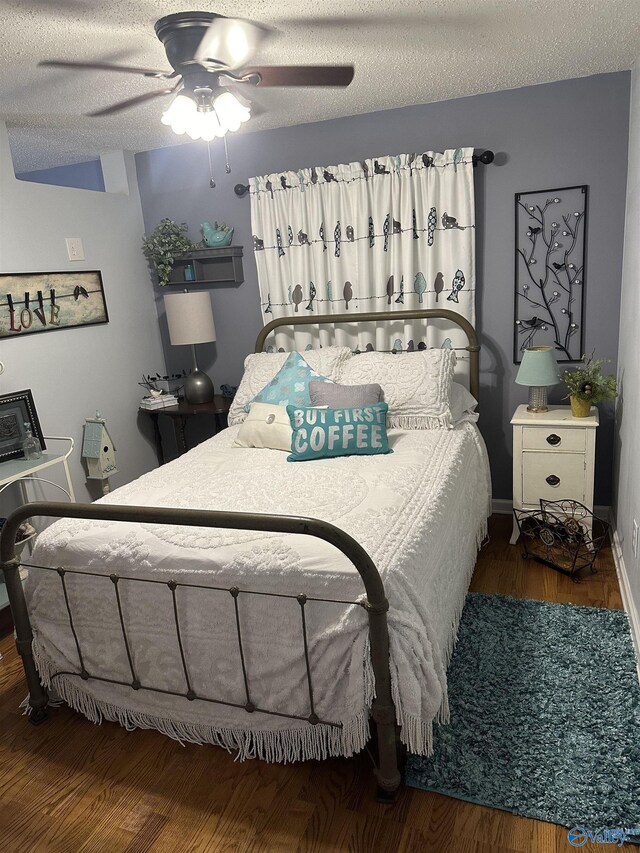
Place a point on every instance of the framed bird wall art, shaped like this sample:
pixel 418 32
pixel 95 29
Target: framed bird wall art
pixel 550 252
pixel 42 302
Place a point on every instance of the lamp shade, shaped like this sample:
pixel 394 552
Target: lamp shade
pixel 190 318
pixel 538 367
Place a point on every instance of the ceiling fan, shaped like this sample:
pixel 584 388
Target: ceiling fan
pixel 208 54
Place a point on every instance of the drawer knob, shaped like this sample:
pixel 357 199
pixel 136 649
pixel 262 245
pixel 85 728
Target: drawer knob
pixel 554 439
pixel 553 480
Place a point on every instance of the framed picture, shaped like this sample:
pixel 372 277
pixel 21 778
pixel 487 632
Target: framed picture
pixel 42 302
pixel 550 261
pixel 16 410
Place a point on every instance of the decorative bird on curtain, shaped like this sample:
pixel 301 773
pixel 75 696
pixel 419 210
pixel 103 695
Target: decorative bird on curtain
pixel 456 286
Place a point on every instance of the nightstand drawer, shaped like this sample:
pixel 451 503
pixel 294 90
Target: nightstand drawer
pixel 553 476
pixel 553 438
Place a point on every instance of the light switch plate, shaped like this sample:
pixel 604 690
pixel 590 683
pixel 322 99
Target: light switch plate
pixel 75 251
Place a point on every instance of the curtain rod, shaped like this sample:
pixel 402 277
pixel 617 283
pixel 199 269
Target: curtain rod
pixel 485 158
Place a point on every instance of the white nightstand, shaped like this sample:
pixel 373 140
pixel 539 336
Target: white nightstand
pixel 554 457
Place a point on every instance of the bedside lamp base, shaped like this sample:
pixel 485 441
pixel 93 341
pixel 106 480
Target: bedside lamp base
pixel 537 399
pixel 198 387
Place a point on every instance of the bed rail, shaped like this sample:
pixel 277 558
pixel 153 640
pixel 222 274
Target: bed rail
pixel 375 603
pixel 473 347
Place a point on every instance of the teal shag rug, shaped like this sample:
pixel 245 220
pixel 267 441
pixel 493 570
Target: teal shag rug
pixel 545 715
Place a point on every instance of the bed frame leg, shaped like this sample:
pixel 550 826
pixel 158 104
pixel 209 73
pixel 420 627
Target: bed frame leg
pixel 24 638
pixel 383 710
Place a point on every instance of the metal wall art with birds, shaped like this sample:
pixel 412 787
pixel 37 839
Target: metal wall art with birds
pixel 550 271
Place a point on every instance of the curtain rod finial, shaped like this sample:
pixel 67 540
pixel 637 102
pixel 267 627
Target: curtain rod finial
pixel 241 190
pixel 485 158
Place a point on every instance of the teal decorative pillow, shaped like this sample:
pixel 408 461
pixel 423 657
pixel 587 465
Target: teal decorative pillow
pixel 322 433
pixel 290 385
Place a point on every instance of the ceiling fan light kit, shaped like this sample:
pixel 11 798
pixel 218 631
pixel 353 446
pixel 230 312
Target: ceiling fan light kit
pixel 203 116
pixel 207 53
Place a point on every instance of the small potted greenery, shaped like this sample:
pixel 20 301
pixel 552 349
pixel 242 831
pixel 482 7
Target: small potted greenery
pixel 587 386
pixel 161 247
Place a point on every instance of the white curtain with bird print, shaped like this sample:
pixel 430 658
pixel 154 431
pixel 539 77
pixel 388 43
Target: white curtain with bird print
pixel 386 234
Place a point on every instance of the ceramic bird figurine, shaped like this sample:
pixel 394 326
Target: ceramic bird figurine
pixel 438 285
pixel 216 235
pixel 456 286
pixel 296 296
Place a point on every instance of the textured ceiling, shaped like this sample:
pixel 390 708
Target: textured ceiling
pixel 415 52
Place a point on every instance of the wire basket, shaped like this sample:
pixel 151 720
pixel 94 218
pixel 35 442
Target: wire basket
pixel 564 535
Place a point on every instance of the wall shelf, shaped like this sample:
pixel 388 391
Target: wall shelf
pixel 208 267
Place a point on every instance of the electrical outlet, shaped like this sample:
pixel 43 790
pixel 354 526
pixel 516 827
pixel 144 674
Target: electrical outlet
pixel 634 540
pixel 75 252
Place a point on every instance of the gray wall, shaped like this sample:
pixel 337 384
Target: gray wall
pixel 627 463
pixel 73 372
pixel 554 135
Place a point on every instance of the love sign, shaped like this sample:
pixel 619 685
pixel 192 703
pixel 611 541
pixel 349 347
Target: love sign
pixel 41 302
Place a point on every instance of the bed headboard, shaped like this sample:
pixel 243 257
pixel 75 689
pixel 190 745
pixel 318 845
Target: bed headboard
pixel 473 347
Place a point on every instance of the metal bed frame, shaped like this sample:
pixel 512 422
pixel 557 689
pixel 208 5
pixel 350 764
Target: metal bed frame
pixel 375 603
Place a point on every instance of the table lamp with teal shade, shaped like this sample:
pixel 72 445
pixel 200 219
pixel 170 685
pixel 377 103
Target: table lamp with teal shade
pixel 538 370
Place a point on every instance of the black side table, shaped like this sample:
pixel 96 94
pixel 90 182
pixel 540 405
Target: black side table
pixel 217 409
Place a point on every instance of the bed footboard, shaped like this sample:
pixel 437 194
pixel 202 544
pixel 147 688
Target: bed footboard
pixel 375 603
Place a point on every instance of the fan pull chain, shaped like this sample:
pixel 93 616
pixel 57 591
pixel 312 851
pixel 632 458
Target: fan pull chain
pixel 212 182
pixel 227 167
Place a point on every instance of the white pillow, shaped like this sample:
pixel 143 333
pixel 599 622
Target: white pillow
pixel 463 405
pixel 266 426
pixel 261 367
pixel 415 385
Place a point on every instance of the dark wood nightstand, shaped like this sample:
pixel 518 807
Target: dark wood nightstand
pixel 217 410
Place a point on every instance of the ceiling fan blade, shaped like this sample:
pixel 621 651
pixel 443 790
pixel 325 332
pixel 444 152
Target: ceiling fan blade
pixel 300 75
pixel 230 42
pixel 132 102
pixel 106 66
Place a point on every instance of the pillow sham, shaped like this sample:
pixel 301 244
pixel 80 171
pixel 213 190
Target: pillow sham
pixel 261 367
pixel 290 384
pixel 265 427
pixel 343 396
pixel 325 433
pixel 416 385
pixel 463 405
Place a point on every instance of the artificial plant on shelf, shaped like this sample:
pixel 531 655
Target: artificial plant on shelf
pixel 160 248
pixel 587 386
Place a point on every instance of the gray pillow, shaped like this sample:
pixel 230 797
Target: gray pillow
pixel 343 396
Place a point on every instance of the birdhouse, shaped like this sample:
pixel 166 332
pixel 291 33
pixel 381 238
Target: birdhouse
pixel 98 449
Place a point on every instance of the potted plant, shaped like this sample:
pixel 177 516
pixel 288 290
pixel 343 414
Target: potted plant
pixel 587 386
pixel 161 247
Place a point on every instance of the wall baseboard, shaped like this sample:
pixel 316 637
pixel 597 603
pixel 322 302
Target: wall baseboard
pixel 625 591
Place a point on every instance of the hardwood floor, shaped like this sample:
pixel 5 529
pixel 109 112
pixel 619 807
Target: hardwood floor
pixel 71 787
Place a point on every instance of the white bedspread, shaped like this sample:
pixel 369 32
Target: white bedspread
pixel 420 513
